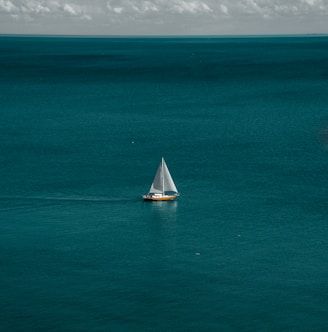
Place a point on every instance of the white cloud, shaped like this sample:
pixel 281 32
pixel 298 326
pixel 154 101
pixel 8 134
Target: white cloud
pixel 158 6
pixel 148 6
pixel 235 8
pixel 28 9
pixel 118 10
pixel 191 7
pixel 34 6
pixel 169 14
pixel 278 8
pixel 251 6
pixel 313 2
pixel 8 6
pixel 114 8
pixel 75 10
pixel 224 9
pixel 71 9
pixel 86 17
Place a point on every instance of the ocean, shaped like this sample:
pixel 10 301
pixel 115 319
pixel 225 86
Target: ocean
pixel 242 123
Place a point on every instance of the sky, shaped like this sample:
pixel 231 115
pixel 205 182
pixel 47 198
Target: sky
pixel 163 17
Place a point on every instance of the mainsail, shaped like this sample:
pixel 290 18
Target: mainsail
pixel 163 181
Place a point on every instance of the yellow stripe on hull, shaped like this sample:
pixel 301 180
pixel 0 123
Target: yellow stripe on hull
pixel 164 198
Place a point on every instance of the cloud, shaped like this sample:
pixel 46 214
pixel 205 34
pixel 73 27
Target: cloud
pixel 8 6
pixel 224 9
pixel 268 8
pixel 70 9
pixel 170 14
pixel 118 10
pixel 237 8
pixel 191 7
pixel 163 7
pixel 313 2
pixel 40 8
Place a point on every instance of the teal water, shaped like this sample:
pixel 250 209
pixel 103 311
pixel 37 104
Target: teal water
pixel 243 126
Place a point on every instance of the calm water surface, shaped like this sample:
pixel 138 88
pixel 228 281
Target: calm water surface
pixel 243 126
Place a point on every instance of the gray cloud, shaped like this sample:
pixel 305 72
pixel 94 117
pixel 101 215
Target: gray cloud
pixel 166 16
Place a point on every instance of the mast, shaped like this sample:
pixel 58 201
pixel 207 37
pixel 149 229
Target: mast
pixel 163 174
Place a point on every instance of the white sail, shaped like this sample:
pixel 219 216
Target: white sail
pixel 163 181
pixel 157 185
pixel 168 181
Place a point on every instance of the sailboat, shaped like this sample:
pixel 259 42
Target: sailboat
pixel 163 187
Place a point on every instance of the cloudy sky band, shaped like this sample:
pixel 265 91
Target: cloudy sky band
pixel 163 16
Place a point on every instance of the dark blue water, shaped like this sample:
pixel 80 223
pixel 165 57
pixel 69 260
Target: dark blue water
pixel 243 126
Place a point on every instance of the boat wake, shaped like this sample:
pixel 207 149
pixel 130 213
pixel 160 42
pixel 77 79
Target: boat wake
pixel 21 201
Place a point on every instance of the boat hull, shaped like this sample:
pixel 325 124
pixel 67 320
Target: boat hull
pixel 159 198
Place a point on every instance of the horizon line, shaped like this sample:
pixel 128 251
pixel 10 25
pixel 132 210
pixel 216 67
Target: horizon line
pixel 166 35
